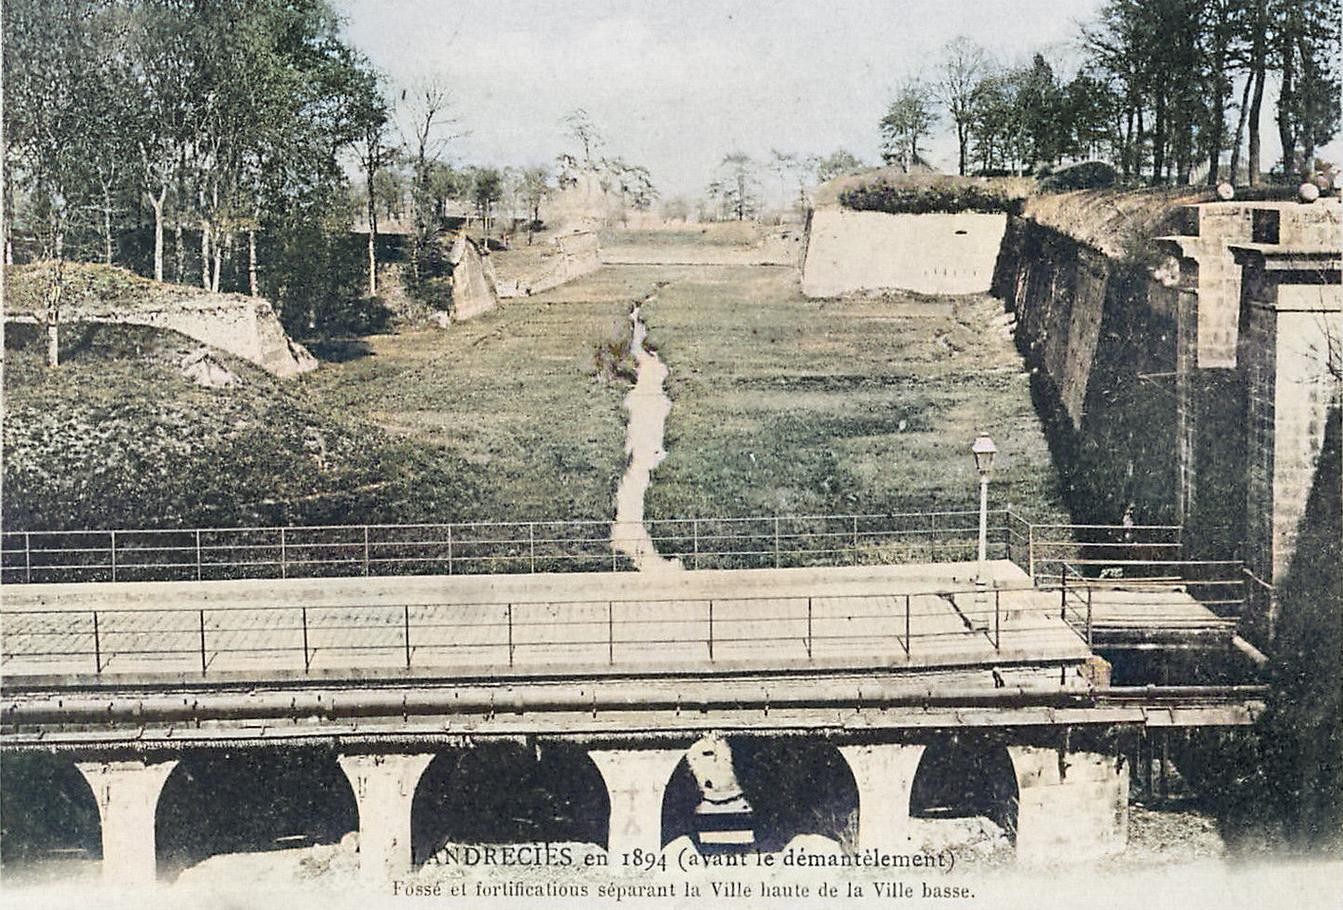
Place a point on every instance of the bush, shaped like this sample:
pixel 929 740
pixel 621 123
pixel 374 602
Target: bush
pixel 950 195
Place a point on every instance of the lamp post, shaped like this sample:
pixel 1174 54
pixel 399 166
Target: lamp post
pixel 984 450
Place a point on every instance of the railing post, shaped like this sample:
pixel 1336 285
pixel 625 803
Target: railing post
pixel 27 557
pixel 307 660
pixel 710 641
pixel 997 626
pixel 610 632
pixel 449 549
pixel 97 648
pixel 694 533
pixel 1030 551
pixel 1089 617
pixel 202 627
pixel 1063 591
pixel 531 546
pixel 284 557
pixel 365 551
pixel 908 644
pixel 776 541
pixel 198 554
pixel 855 540
pixel 405 631
pixel 510 635
pixel 113 551
pixel 809 642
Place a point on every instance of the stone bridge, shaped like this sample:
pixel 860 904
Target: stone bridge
pixel 904 693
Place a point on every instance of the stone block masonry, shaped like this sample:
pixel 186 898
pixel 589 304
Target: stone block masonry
pixel 936 253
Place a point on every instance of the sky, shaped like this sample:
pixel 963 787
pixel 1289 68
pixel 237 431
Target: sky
pixel 677 84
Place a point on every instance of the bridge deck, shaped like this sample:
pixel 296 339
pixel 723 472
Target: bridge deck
pixel 685 622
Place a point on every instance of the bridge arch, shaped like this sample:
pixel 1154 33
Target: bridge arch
pixel 794 785
pixel 50 823
pixel 508 793
pixel 961 782
pixel 250 801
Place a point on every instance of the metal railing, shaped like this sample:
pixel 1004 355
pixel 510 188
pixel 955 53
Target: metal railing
pixel 471 548
pixel 522 635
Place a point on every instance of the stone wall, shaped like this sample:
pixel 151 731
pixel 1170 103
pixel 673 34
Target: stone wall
pixel 566 257
pixel 246 327
pixel 1100 336
pixel 851 252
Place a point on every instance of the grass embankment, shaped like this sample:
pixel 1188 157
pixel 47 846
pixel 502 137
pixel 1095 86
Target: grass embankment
pixel 117 436
pixel 514 415
pixel 785 405
pixel 527 395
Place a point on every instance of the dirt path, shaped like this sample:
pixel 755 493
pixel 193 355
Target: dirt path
pixel 647 405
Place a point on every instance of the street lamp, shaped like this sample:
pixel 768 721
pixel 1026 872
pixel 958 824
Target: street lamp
pixel 984 450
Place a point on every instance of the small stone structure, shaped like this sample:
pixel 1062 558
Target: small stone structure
pixel 934 253
pixel 474 288
pixel 246 327
pixel 568 256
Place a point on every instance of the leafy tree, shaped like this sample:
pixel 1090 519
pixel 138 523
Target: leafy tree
pixel 836 164
pixel 738 189
pixel 908 119
pixel 535 187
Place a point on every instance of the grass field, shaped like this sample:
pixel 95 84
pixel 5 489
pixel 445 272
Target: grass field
pixel 527 395
pixel 786 405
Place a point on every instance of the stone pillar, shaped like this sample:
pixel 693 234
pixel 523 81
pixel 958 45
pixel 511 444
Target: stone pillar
pixel 384 786
pixel 885 774
pixel 1072 806
pixel 636 780
pixel 127 793
pixel 1293 323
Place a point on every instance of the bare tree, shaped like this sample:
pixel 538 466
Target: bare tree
pixel 428 128
pixel 963 63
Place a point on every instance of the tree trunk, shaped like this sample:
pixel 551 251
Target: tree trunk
pixel 372 241
pixel 1286 129
pixel 1240 127
pixel 179 252
pixel 107 224
pixel 157 206
pixel 1256 107
pixel 252 285
pixel 205 254
pixel 219 260
pixel 53 309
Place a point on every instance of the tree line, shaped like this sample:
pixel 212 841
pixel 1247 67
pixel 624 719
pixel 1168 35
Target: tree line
pixel 233 144
pixel 1169 92
pixel 211 123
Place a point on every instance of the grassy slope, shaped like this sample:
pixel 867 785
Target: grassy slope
pixel 520 393
pixel 781 404
pixel 117 437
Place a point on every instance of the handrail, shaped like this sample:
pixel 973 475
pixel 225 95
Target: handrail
pixel 610 631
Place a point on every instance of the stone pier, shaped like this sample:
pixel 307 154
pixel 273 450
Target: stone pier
pixel 884 774
pixel 1072 806
pixel 127 793
pixel 384 787
pixel 636 780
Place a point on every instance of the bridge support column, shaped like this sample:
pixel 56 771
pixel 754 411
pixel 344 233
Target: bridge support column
pixel 636 781
pixel 884 774
pixel 1071 805
pixel 384 787
pixel 127 793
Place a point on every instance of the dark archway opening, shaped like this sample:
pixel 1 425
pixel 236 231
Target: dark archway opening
pixel 49 827
pixel 251 801
pixel 794 786
pixel 961 784
pixel 509 793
